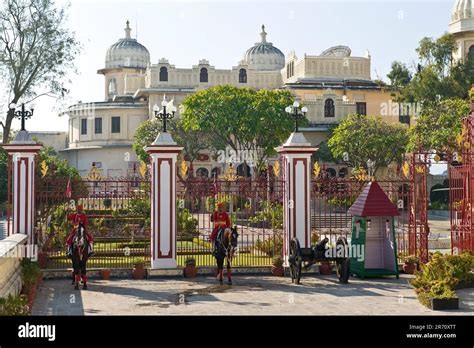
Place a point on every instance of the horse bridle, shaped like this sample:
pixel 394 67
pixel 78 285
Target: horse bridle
pixel 79 239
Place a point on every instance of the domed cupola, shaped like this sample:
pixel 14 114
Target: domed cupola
pixel 264 56
pixel 127 53
pixel 462 18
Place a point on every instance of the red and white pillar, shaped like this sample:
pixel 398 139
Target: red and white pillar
pixel 164 155
pixel 22 159
pixel 296 155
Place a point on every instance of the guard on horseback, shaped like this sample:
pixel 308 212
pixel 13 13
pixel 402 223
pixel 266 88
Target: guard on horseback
pixel 79 245
pixel 221 221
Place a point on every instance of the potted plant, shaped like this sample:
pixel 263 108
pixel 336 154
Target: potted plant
pixel 190 270
pixel 442 297
pixel 105 273
pixel 139 271
pixel 410 264
pixel 325 268
pixel 277 266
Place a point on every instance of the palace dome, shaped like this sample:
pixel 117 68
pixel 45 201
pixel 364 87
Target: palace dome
pixel 264 56
pixel 462 18
pixel 127 53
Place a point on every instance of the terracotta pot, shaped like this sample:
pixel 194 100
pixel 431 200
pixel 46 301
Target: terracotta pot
pixel 278 271
pixel 325 268
pixel 409 268
pixel 190 271
pixel 139 271
pixel 105 274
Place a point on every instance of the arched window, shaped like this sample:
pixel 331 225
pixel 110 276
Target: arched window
pixel 163 74
pixel 243 76
pixel 471 52
pixel 331 173
pixel 202 172
pixel 112 86
pixel 203 75
pixel 243 170
pixel 329 108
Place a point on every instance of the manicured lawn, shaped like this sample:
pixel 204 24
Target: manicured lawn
pixel 112 255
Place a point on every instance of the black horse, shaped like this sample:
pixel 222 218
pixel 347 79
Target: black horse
pixel 79 253
pixel 226 245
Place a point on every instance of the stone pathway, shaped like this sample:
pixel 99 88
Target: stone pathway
pixel 250 295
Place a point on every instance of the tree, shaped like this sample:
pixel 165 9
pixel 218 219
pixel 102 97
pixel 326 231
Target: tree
pixel 57 166
pixel 436 77
pixel 366 137
pixel 400 75
pixel 36 51
pixel 438 125
pixel 240 118
pixel 3 176
pixel 192 141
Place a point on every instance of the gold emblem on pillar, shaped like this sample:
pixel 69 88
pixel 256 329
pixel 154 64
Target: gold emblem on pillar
pixel 44 169
pixel 406 169
pixel 316 169
pixel 230 174
pixel 94 174
pixel 276 168
pixel 184 169
pixel 420 169
pixel 142 169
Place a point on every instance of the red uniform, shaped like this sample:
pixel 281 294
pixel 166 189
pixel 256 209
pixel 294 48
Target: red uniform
pixel 76 218
pixel 221 220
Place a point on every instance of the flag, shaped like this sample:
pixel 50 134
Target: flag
pixel 69 189
pixel 215 189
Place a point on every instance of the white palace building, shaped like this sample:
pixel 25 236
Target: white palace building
pixel 332 85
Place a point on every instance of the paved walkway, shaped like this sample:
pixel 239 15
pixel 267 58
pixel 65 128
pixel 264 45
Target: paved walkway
pixel 250 295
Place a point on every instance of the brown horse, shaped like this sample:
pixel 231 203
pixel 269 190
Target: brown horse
pixel 226 246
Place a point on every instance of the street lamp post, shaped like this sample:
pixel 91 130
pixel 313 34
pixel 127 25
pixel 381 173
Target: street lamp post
pixel 22 114
pixel 297 113
pixel 163 115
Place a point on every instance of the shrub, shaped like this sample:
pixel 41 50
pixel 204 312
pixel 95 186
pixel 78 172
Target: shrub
pixel 272 212
pixel 411 259
pixel 187 225
pixel 137 260
pixel 14 305
pixel 190 261
pixel 30 271
pixel 345 202
pixel 439 277
pixel 271 246
pixel 277 261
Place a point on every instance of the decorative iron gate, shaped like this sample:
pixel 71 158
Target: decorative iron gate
pixel 255 206
pixel 418 228
pixel 119 219
pixel 461 192
pixel 332 197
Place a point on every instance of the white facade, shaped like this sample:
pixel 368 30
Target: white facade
pixel 462 28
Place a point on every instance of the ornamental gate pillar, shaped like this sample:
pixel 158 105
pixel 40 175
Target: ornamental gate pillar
pixel 164 154
pixel 296 157
pixel 21 159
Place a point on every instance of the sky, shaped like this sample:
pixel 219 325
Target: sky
pixel 185 31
